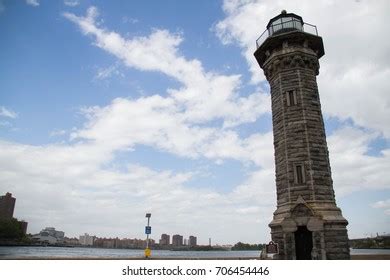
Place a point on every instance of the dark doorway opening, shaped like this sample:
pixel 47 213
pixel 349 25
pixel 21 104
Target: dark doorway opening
pixel 303 243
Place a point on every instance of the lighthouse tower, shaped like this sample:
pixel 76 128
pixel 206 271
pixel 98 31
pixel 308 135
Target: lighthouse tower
pixel 307 223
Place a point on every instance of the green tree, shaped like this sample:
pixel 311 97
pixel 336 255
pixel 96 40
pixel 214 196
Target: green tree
pixel 246 247
pixel 10 229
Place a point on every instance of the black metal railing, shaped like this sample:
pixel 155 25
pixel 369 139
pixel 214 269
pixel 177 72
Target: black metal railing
pixel 287 26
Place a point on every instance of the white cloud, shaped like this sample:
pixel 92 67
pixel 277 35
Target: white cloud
pixel 353 79
pixel 382 204
pixel 158 52
pixel 74 188
pixel 4 112
pixel 34 3
pixel 57 132
pixel 204 96
pixel 131 20
pixel 105 73
pixel 365 96
pixel 125 123
pixel 353 169
pixel 248 210
pixel 71 3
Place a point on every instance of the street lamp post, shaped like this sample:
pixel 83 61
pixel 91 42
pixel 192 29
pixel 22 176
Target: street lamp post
pixel 148 230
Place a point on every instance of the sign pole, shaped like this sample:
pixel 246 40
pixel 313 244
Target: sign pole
pixel 148 230
pixel 147 235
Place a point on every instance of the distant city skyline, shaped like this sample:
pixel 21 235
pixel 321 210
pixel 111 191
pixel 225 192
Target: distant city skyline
pixel 115 109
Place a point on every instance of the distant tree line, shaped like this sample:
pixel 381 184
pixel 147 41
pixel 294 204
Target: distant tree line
pixel 379 242
pixel 247 247
pixel 196 248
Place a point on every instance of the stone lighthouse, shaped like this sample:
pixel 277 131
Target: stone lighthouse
pixel 307 223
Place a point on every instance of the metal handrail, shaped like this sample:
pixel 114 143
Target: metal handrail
pixel 312 29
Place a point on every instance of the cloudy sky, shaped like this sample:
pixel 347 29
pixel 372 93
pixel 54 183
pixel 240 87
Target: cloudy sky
pixel 111 109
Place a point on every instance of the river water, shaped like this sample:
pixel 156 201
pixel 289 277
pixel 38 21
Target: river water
pixel 80 252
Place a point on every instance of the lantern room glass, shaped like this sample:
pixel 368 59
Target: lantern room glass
pixel 285 24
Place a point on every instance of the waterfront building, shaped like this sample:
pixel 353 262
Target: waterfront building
pixel 23 225
pixel 165 240
pixel 177 240
pixel 131 243
pixel 192 241
pixel 121 243
pixel 71 241
pixel 86 239
pixel 307 223
pixel 105 242
pixel 7 206
pixel 49 235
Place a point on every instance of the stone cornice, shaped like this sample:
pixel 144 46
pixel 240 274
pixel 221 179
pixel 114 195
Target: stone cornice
pixel 289 60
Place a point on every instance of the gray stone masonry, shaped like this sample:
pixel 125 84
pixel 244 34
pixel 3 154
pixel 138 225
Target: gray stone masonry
pixel 304 187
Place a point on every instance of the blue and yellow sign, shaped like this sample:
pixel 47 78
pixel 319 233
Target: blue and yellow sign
pixel 148 230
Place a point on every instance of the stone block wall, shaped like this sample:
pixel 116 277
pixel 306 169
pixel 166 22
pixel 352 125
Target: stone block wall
pixel 304 186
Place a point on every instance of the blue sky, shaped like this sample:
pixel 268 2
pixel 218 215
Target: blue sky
pixel 109 109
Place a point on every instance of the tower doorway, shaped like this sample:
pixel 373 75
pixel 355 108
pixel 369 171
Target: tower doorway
pixel 303 243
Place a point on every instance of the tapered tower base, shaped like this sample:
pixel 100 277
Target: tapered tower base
pixel 303 232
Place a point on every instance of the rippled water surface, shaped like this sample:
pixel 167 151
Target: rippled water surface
pixel 77 252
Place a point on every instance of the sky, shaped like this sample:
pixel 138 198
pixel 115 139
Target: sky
pixel 112 109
